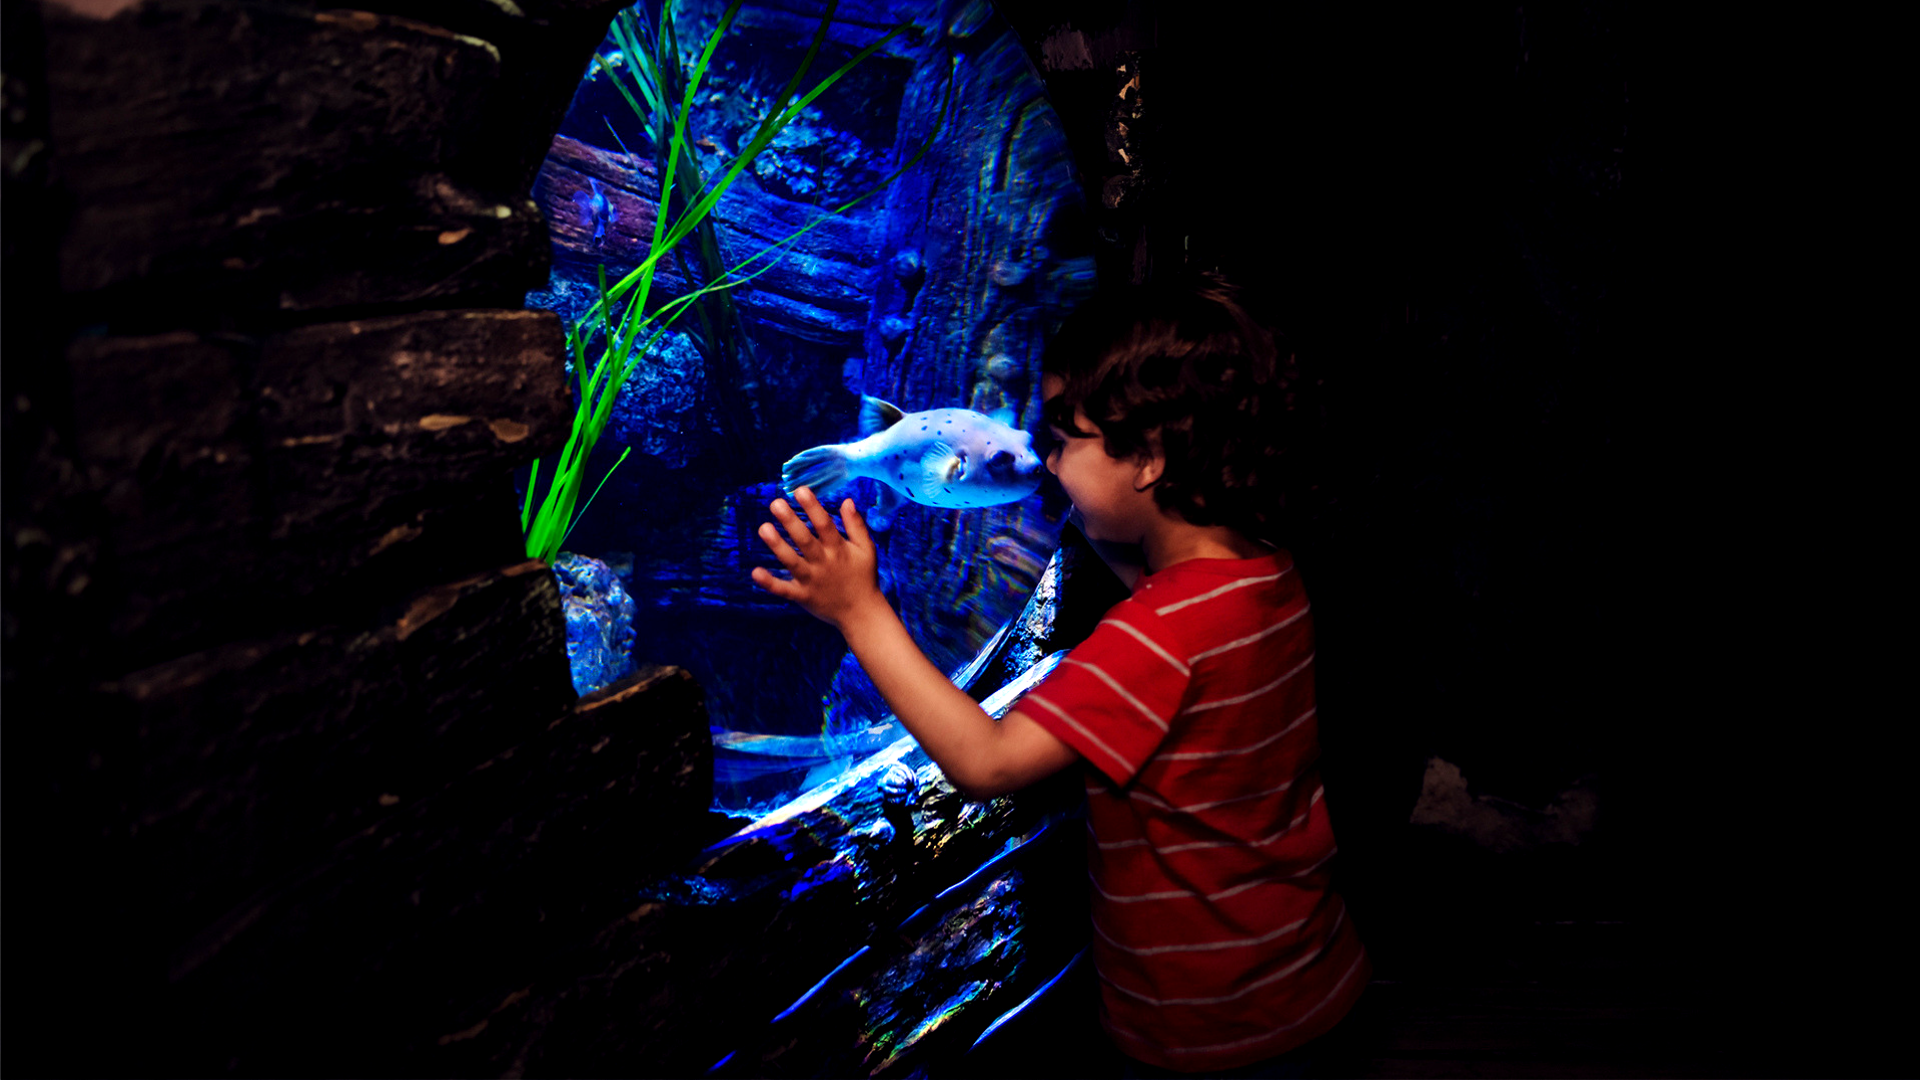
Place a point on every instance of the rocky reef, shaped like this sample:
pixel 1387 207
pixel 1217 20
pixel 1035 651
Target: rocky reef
pixel 599 622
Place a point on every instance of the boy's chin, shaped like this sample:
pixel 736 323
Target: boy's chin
pixel 1100 532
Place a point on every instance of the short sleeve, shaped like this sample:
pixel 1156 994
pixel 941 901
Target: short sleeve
pixel 1113 696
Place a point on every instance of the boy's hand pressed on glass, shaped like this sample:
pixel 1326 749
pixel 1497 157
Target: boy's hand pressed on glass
pixel 835 578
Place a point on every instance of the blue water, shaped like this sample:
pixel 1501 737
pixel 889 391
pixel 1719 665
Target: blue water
pixel 937 291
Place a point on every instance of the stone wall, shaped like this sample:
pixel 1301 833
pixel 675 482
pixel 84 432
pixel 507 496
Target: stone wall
pixel 296 778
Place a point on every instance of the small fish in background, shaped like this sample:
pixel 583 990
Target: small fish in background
pixel 942 457
pixel 595 209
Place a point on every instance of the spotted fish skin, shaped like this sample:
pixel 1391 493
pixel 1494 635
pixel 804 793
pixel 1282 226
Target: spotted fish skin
pixel 948 458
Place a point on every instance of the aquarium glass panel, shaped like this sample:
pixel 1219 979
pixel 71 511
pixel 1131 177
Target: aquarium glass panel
pixel 903 243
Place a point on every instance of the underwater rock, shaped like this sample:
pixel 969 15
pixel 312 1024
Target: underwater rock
pixel 599 621
pixel 907 266
pixel 893 331
pixel 809 159
pixel 658 409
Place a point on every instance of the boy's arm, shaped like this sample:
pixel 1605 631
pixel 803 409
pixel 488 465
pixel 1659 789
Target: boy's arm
pixel 835 579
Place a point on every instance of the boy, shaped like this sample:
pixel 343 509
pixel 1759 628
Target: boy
pixel 1217 938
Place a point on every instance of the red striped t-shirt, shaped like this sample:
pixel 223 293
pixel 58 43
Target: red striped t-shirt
pixel 1216 934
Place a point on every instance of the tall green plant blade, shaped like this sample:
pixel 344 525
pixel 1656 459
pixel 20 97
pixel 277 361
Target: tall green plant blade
pixel 596 491
pixel 775 123
pixel 554 521
pixel 646 66
pixel 678 146
pixel 620 86
pixel 773 252
pixel 526 508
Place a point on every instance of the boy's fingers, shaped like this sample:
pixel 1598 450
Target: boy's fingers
pixel 785 590
pixel 798 533
pixel 781 549
pixel 856 525
pixel 817 514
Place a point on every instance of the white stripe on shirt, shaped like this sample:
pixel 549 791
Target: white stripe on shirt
pixel 1269 688
pixel 1189 894
pixel 1251 638
pixel 1035 697
pixel 1170 849
pixel 1332 935
pixel 1124 693
pixel 1197 844
pixel 1221 591
pixel 1194 808
pixel 1151 644
pixel 1202 946
pixel 1194 755
pixel 1251 1040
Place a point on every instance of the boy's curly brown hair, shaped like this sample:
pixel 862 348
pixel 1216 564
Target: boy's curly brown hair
pixel 1184 366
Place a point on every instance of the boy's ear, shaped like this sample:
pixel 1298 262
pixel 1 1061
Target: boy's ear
pixel 1152 467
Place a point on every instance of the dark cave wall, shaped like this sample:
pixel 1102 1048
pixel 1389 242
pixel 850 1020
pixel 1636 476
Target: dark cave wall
pixel 296 780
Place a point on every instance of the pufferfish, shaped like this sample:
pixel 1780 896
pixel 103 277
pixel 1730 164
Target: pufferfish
pixel 941 457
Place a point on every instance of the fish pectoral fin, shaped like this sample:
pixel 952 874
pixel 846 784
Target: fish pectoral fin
pixel 877 415
pixel 940 467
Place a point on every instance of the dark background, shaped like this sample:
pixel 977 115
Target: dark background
pixel 1582 493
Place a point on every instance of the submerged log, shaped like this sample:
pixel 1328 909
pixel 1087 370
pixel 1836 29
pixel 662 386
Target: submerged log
pixel 818 290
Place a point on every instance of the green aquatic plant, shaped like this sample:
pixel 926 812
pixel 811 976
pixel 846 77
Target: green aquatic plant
pixel 616 321
pixel 721 337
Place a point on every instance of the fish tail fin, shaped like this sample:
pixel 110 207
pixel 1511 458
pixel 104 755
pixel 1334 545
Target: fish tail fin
pixel 823 468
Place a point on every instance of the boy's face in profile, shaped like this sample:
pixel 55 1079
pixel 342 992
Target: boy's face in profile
pixel 1113 495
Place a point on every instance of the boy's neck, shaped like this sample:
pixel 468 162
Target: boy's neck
pixel 1174 539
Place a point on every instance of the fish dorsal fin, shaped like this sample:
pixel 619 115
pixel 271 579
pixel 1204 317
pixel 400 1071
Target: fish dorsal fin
pixel 877 415
pixel 1003 415
pixel 940 466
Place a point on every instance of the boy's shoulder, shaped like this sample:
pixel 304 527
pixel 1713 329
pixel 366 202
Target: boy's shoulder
pixel 1191 604
pixel 1193 583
